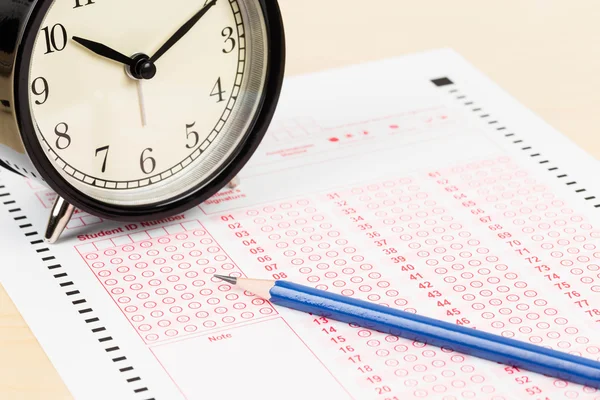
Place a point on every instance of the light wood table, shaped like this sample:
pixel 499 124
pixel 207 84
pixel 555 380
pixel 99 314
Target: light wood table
pixel 544 53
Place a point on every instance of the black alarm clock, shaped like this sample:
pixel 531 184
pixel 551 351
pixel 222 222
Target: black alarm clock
pixel 136 110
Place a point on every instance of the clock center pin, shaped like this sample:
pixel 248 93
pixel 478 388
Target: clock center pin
pixel 141 68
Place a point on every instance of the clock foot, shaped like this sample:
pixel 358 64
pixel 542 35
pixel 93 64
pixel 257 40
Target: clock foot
pixel 235 182
pixel 59 218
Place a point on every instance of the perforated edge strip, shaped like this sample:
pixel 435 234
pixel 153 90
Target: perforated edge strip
pixel 18 170
pixel 445 82
pixel 70 289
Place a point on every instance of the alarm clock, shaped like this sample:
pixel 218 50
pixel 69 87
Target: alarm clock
pixel 136 110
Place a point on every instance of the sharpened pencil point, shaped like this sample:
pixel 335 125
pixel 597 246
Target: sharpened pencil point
pixel 228 279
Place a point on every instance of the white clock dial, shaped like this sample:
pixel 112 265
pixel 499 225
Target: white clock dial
pixel 124 139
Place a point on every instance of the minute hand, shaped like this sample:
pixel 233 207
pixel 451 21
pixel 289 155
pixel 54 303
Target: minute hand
pixel 182 31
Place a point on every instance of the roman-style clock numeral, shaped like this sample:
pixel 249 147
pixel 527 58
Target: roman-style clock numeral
pixel 147 164
pixel 63 140
pixel 56 38
pixel 40 87
pixel 100 150
pixel 228 35
pixel 78 3
pixel 191 133
pixel 218 91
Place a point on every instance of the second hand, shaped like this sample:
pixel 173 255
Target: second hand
pixel 142 104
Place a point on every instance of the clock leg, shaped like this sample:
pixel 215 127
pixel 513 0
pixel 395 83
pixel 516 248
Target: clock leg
pixel 235 182
pixel 59 218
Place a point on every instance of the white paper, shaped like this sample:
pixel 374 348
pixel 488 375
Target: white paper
pixel 451 201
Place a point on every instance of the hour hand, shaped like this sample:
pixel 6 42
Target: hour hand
pixel 104 51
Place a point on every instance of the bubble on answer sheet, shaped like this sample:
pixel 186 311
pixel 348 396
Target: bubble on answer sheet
pixel 161 296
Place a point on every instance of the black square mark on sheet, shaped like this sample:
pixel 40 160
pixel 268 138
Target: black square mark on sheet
pixel 442 82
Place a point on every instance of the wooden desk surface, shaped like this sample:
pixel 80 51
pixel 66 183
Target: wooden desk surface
pixel 544 53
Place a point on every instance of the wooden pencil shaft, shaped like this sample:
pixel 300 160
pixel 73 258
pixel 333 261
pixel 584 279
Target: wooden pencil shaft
pixel 438 333
pixel 428 330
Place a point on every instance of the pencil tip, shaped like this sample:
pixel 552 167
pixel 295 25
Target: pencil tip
pixel 228 279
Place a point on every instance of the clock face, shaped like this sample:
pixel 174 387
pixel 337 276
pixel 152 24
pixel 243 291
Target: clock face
pixel 137 101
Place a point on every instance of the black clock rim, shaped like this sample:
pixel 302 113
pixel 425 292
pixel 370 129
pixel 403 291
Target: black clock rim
pixel 276 60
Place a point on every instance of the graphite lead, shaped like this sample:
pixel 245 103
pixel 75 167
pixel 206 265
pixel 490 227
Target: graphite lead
pixel 228 279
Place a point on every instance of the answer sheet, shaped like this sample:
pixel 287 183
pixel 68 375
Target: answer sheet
pixel 413 182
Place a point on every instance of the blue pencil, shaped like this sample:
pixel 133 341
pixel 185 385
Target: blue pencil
pixel 438 333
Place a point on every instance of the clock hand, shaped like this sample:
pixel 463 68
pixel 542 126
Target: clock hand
pixel 142 103
pixel 104 51
pixel 139 66
pixel 182 31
